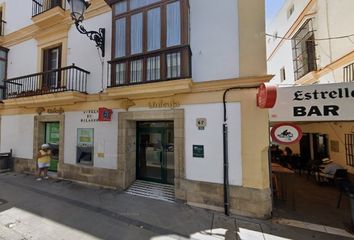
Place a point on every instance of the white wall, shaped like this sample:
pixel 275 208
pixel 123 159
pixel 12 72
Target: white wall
pixel 17 134
pixel 84 54
pixel 22 59
pixel 17 14
pixel 281 55
pixel 283 58
pixel 105 139
pixel 214 39
pixel 280 24
pixel 330 20
pixel 333 18
pixel 210 168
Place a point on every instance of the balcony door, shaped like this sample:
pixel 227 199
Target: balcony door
pixel 51 64
pixel 3 66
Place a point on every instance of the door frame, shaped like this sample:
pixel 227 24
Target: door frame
pixel 127 144
pixel 38 137
pixel 45 66
pixel 163 156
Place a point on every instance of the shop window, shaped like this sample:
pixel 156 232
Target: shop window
pixel 85 146
pixel 349 149
pixel 303 47
pixel 348 73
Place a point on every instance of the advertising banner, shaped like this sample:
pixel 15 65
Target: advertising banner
pixel 319 102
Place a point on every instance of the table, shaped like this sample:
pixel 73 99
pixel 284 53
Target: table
pixel 285 177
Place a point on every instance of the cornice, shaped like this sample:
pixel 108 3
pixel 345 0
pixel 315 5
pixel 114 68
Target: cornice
pixel 50 25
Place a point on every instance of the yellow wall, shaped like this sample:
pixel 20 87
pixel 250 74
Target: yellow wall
pixel 252 46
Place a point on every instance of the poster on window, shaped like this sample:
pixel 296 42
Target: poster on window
pixel 52 133
pixel 85 136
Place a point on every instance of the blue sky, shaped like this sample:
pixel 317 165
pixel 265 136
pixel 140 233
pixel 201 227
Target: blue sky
pixel 272 7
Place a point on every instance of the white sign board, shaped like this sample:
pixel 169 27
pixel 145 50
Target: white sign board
pixel 320 102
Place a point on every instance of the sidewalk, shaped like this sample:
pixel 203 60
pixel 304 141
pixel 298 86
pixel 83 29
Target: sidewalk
pixel 55 209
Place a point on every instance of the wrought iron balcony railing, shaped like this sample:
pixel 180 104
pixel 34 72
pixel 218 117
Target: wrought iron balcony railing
pixel 161 65
pixel 69 78
pixel 39 6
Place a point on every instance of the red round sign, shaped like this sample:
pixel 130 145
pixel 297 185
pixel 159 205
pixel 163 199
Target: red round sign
pixel 286 133
pixel 267 95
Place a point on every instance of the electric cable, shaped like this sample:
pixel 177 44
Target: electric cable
pixel 317 39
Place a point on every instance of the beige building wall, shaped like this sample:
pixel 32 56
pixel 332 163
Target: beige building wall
pixel 252 44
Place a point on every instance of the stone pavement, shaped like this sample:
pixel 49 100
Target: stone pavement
pixel 57 209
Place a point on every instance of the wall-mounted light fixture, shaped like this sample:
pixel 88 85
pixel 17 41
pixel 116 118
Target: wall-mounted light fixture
pixel 78 8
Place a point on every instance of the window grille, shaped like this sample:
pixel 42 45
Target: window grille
pixel 304 54
pixel 349 149
pixel 348 73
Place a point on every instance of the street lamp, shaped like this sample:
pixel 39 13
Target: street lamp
pixel 78 8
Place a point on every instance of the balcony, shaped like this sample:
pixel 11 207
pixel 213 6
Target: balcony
pixel 171 64
pixel 67 79
pixel 48 12
pixel 40 6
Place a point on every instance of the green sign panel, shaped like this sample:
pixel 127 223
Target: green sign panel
pixel 52 132
pixel 198 151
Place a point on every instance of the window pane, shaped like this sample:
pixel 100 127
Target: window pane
pixel 136 71
pixel 140 3
pixel 2 72
pixel 120 74
pixel 120 38
pixel 120 7
pixel 136 33
pixel 154 29
pixel 2 54
pixel 153 68
pixel 173 65
pixel 173 24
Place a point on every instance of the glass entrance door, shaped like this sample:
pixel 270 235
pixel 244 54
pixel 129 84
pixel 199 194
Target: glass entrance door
pixel 52 139
pixel 155 151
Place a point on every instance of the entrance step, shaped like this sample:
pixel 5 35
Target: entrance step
pixel 153 190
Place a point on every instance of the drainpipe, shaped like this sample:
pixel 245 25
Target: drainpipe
pixel 225 149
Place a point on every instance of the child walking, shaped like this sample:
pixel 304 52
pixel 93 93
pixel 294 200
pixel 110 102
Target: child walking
pixel 43 161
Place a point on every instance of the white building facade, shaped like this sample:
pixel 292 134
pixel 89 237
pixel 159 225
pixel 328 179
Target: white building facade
pixel 152 108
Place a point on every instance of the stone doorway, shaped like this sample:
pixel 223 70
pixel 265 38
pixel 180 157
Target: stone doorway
pixel 127 146
pixel 39 136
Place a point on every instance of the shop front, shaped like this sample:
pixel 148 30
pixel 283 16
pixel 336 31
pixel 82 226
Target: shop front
pixel 173 140
pixel 312 146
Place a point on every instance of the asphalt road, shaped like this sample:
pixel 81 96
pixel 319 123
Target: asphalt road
pixel 56 209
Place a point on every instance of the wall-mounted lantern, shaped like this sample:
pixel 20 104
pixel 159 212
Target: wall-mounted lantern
pixel 78 8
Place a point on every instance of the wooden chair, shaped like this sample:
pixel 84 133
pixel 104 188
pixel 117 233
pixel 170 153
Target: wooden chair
pixel 341 181
pixel 276 189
